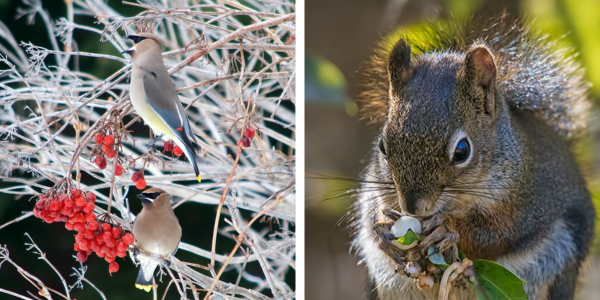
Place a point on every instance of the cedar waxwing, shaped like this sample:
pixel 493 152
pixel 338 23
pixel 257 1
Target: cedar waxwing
pixel 154 98
pixel 156 229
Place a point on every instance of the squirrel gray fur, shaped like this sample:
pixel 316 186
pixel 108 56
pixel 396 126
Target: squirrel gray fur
pixel 518 199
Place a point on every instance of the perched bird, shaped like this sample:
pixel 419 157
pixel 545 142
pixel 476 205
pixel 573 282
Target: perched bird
pixel 156 229
pixel 154 98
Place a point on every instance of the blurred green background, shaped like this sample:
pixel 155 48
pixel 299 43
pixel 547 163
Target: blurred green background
pixel 54 239
pixel 340 36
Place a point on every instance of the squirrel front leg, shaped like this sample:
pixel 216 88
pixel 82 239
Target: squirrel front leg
pixel 438 234
pixel 385 237
pixel 436 231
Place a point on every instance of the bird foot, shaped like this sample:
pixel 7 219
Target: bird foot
pixel 154 141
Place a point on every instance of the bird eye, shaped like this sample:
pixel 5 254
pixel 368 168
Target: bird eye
pixel 382 147
pixel 462 152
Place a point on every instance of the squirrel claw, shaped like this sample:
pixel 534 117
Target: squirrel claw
pixel 432 223
pixel 441 238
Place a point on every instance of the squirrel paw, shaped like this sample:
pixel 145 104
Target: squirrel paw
pixel 437 233
pixel 385 238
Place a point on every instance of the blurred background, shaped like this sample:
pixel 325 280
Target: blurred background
pixel 340 36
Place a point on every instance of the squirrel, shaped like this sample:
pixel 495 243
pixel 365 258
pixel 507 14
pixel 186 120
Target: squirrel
pixel 476 118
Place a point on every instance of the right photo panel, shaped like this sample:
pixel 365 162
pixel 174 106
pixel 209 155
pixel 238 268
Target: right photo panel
pixel 452 149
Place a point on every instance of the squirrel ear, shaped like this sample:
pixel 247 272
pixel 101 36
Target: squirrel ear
pixel 481 70
pixel 399 64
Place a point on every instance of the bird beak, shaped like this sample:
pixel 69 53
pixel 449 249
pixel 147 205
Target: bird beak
pixel 144 198
pixel 128 51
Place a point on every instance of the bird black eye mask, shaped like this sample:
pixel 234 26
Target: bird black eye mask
pixel 136 38
pixel 148 196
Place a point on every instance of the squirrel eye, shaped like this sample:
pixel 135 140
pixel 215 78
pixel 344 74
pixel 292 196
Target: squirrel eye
pixel 462 152
pixel 382 147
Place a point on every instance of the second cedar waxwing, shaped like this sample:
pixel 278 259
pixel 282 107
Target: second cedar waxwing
pixel 154 98
pixel 156 229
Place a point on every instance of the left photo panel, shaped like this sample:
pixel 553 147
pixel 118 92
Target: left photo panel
pixel 147 149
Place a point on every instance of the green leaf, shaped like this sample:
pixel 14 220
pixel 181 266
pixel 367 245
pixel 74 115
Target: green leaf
pixel 409 238
pixel 496 282
pixel 436 258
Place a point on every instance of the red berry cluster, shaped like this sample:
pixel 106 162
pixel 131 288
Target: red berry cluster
pixel 108 149
pixel 248 135
pixel 138 178
pixel 76 210
pixel 170 146
pixel 108 241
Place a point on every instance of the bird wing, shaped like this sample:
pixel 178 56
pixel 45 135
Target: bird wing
pixel 166 104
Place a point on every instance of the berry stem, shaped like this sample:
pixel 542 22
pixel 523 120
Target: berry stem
pixel 223 196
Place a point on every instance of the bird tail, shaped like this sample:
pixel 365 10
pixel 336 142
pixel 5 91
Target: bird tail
pixel 144 278
pixel 190 149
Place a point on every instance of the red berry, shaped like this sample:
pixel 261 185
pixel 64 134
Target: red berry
pixel 79 217
pixel 93 245
pixel 121 246
pixel 69 202
pixel 121 254
pixel 91 197
pixel 109 140
pixel 116 232
pixel 105 227
pixel 40 204
pixel 88 207
pixel 140 184
pixel 249 132
pixel 106 236
pixel 84 245
pixel 110 259
pixel 113 267
pixel 75 192
pixel 89 234
pixel 168 146
pixel 79 226
pixel 110 153
pixel 69 226
pixel 82 257
pixel 245 141
pixel 99 240
pixel 76 246
pixel 137 175
pixel 93 225
pixel 54 205
pixel 128 239
pixel 80 201
pixel 67 211
pixel 177 151
pixel 79 237
pixel 118 170
pixel 90 217
pixel 99 138
pixel 100 162
pixel 111 242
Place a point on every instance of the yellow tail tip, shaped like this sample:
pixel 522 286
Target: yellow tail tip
pixel 199 177
pixel 146 288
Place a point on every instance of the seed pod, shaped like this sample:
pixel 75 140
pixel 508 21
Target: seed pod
pixel 424 282
pixel 412 269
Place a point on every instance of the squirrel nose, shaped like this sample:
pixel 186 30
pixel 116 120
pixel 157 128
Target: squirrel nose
pixel 411 206
pixel 409 202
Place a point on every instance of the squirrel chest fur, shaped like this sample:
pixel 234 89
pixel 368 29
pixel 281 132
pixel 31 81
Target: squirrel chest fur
pixel 474 137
